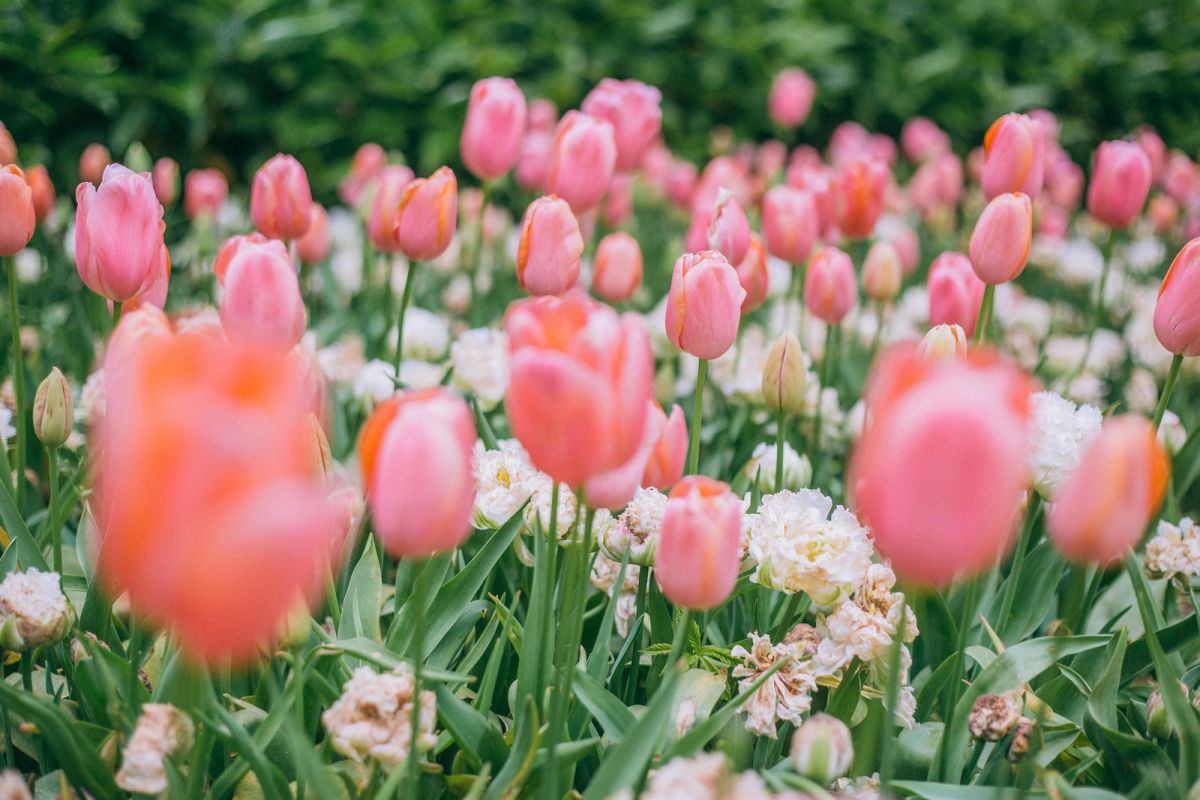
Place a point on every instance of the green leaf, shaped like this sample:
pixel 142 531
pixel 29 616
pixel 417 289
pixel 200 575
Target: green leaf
pixel 608 709
pixel 361 605
pixel 625 763
pixel 476 735
pixel 28 553
pixel 526 738
pixel 953 791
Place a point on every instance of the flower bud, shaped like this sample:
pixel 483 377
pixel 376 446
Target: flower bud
pixel 495 124
pixel 1015 155
pixel 280 199
pixel 791 222
pixel 728 228
pixel 1158 722
pixel 753 275
pixel 999 248
pixel 697 562
pixel 582 160
pixel 162 732
pixel 319 455
pixel 830 290
pixel 617 271
pixel 94 159
pixel 53 415
pixel 994 715
pixel 34 612
pixel 1120 183
pixel 944 341
pixel 12 783
pixel 822 749
pixel 1177 311
pixel 955 292
pixel 427 215
pixel 881 272
pixel 17 215
pixel 633 110
pixel 704 304
pixel 783 375
pixel 41 189
pixel 165 177
pixel 791 97
pixel 550 247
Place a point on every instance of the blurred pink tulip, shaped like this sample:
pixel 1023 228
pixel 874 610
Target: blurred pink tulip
pixel 1064 180
pixel 1104 506
pixel 697 560
pixel 582 160
pixel 618 201
pixel 231 247
pixel 8 146
pixel 156 292
pixel 955 292
pixel 1162 211
pixel 1177 312
pixel 1015 155
pixel 1052 220
pixel 1181 178
pixel 1156 150
pixel 1120 183
pixel 550 247
pixel 614 489
pixel 381 223
pixel 728 228
pixel 165 177
pixel 791 97
pixel 882 272
pixel 859 191
pixel 830 288
pixel 41 189
pixel 533 163
pixel 704 304
pixel 427 215
pixel 790 223
pixel 937 185
pixel 668 456
pixel 681 183
pixel 908 248
pixel 118 234
pixel 753 275
pixel 1000 243
pixel 633 110
pixel 921 140
pixel 18 218
pixel 280 200
pixel 93 162
pixel 261 301
pixel 941 467
pixel 368 162
pixel 848 142
pixel 617 272
pixel 543 115
pixel 818 182
pixel 494 128
pixel 313 246
pixel 580 377
pixel 204 192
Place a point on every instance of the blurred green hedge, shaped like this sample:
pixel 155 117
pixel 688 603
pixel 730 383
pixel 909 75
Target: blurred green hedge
pixel 229 82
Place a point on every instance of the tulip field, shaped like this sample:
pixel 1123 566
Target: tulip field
pixel 578 468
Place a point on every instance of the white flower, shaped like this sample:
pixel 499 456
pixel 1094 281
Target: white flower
pixel 1141 392
pixel 375 381
pixel 541 492
pixel 708 776
pixel 162 731
pixel 604 577
pixel 92 400
pixel 1174 550
pixel 1171 432
pixel 863 626
pixel 504 479
pixel 13 786
pixel 33 610
pixel 856 419
pixel 346 252
pixel 1059 433
pixel 1086 388
pixel 785 696
pixel 415 374
pixel 799 547
pixel 637 529
pixel 738 373
pixel 1080 262
pixel 28 264
pixel 426 335
pixel 832 417
pixel 373 717
pixel 480 360
pixel 7 429
pixel 1144 254
pixel 861 788
pixel 797 471
pixel 342 361
pixel 456 297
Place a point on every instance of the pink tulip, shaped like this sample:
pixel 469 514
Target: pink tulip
pixel 543 115
pixel 313 246
pixel 18 218
pixel 848 142
pixel 830 288
pixel 582 161
pixel 791 97
pixel 550 247
pixel 818 182
pixel 580 376
pixel 769 159
pixel 937 185
pixel 1064 180
pixel 1000 243
pixel 697 560
pixel 921 140
pixel 41 189
pixel 165 177
pixel 614 489
pixel 668 456
pixel 118 234
pixel 232 246
pixel 1181 177
pixel 280 200
pixel 1105 505
pixel 419 480
pixel 940 470
pixel 1015 155
pixel 723 172
pixel 791 223
pixel 753 275
pixel 93 162
pixel 632 109
pixel 1156 150
pixel 1162 211
pixel 882 147
pixel 728 229
pixel 955 292
pixel 704 304
pixel 8 146
pixel 859 191
pixel 494 128
pixel 681 183
pixel 204 192
pixel 618 268
pixel 427 215
pixel 155 294
pixel 1177 312
pixel 1120 183
pixel 881 272
pixel 368 162
pixel 534 161
pixel 908 248
pixel 381 223
pixel 261 301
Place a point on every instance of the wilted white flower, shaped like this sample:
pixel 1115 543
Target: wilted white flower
pixel 1059 433
pixel 799 547
pixel 863 626
pixel 637 529
pixel 1174 550
pixel 1171 433
pixel 376 381
pixel 480 360
pixel 994 715
pixel 786 695
pixel 92 400
pixel 162 732
pixel 373 717
pixel 504 479
pixel 708 776
pixel 797 471
pixel 541 492
pixel 861 788
pixel 426 335
pixel 33 610
pixel 604 577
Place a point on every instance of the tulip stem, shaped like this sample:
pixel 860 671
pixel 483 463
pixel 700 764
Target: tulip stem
pixel 477 261
pixel 887 753
pixel 412 773
pixel 698 410
pixel 681 632
pixel 1018 560
pixel 51 510
pixel 828 357
pixel 18 379
pixel 409 279
pixel 984 320
pixel 780 438
pixel 335 609
pixel 1165 397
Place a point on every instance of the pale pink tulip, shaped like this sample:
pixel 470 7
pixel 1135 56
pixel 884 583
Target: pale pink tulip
pixel 791 223
pixel 427 215
pixel 668 456
pixel 955 292
pixel 697 560
pixel 280 200
pixel 582 160
pixel 550 247
pixel 632 109
pixel 118 234
pixel 791 97
pixel 830 288
pixel 617 272
pixel 704 304
pixel 261 301
pixel 1120 183
pixel 494 128
pixel 1015 156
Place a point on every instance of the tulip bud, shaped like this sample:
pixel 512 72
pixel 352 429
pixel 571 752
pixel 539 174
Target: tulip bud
pixel 822 749
pixel 427 215
pixel 728 228
pixel 17 215
pixel 34 612
pixel 118 234
pixel 495 125
pixel 1177 311
pixel 664 467
pixel 632 109
pixel 93 162
pixel 1158 722
pixel 369 160
pixel 617 271
pixel 791 97
pixel 783 375
pixel 859 193
pixel 582 160
pixel 319 455
pixel 550 247
pixel 280 200
pixel 881 272
pixel 704 304
pixel 1000 243
pixel 994 715
pixel 313 246
pixel 830 289
pixel 41 189
pixel 697 561
pixel 8 146
pixel 204 192
pixel 955 292
pixel 1015 154
pixel 53 416
pixel 1120 183
pixel 165 177
pixel 791 223
pixel 944 341
pixel 753 275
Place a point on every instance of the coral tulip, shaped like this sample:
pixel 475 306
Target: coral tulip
pixel 165 177
pixel 632 109
pixel 1120 183
pixel 921 140
pixel 93 162
pixel 955 292
pixel 427 215
pixel 582 160
pixel 1014 156
pixel 753 275
pixel 118 234
pixel 664 467
pixel 697 561
pixel 313 246
pixel 617 271
pixel 8 146
pixel 615 488
pixel 550 247
pixel 494 128
pixel 859 190
pixel 1177 311
pixel 368 162
pixel 791 97
pixel 261 300
pixel 791 223
pixel 704 304
pixel 232 246
pixel 18 218
pixel 728 229
pixel 999 248
pixel 280 200
pixel 41 189
pixel 381 223
pixel 204 192
pixel 830 289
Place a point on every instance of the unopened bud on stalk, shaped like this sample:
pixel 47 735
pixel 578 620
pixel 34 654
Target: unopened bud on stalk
pixel 783 375
pixel 1158 724
pixel 53 413
pixel 944 341
pixel 34 612
pixel 994 715
pixel 822 749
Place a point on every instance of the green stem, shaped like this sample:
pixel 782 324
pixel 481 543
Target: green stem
pixel 791 610
pixel 828 358
pixel 878 337
pixel 1165 397
pixel 984 320
pixel 681 633
pixel 18 379
pixel 52 511
pixel 335 609
pixel 887 753
pixel 635 652
pixel 477 262
pixel 780 438
pixel 1014 574
pixel 409 280
pixel 412 773
pixel 698 410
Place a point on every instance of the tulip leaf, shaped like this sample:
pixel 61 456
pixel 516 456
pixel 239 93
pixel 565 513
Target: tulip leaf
pixel 625 763
pixel 608 709
pixel 28 553
pixel 516 768
pixel 361 605
pixel 472 730
pixel 954 791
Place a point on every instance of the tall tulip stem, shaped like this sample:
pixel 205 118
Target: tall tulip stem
pixel 887 751
pixel 1165 397
pixel 780 439
pixel 18 379
pixel 984 320
pixel 693 465
pixel 409 279
pixel 52 510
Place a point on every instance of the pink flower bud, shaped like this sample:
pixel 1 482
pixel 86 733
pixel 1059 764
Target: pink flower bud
pixel 93 162
pixel 697 561
pixel 280 200
pixel 8 146
pixel 550 247
pixel 232 246
pixel 921 139
pixel 1000 243
pixel 941 467
pixel 42 190
pixel 791 223
pixel 681 183
pixel 908 248
pixel 427 215
pixel 369 160
pixel 955 292
pixel 17 215
pixel 1120 183
pixel 1177 312
pixel 261 300
pixel 849 141
pixel 419 479
pixel 859 191
pixel 728 229
pixel 1015 155
pixel 534 160
pixel 1181 177
pixel 381 223
pixel 582 160
pixel 165 177
pixel 156 292
pixel 580 376
pixel 830 288
pixel 944 341
pixel 204 192
pixel 494 128
pixel 618 268
pixel 1105 505
pixel 704 304
pixel 791 97
pixel 664 467
pixel 1064 180
pixel 632 109
pixel 937 185
pixel 618 202
pixel 543 114
pixel 118 234
pixel 1162 211
pixel 313 246
pixel 753 275
pixel 818 182
pixel 1052 221
pixel 1156 150
pixel 882 271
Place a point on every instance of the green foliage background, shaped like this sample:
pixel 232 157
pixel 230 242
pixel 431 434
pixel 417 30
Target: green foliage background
pixel 229 82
